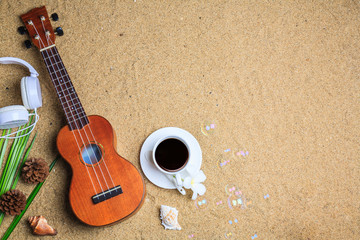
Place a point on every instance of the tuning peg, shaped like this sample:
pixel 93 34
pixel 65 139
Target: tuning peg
pixel 54 17
pixel 22 30
pixel 59 31
pixel 27 44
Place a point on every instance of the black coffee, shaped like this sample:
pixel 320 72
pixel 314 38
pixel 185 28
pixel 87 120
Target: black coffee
pixel 171 154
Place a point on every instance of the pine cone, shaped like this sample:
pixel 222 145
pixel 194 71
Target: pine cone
pixel 35 170
pixel 12 202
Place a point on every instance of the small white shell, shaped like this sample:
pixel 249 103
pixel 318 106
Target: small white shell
pixel 169 217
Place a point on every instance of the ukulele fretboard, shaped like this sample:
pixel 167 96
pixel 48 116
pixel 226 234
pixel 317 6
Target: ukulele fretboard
pixel 74 112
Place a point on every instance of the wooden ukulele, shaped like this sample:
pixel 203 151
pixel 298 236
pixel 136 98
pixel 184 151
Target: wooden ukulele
pixel 105 188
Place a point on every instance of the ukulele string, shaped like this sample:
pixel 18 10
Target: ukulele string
pixel 87 151
pixel 86 135
pixel 42 18
pixel 76 139
pixel 40 41
pixel 91 133
pixel 104 159
pixel 76 124
pixel 93 138
pixel 47 39
pixel 30 22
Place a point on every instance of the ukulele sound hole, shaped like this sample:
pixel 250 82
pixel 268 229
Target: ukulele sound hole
pixel 91 154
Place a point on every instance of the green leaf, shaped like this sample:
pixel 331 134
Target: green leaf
pixel 14 158
pixel 15 155
pixel 28 202
pixel 12 163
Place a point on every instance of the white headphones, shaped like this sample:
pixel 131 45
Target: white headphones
pixel 18 115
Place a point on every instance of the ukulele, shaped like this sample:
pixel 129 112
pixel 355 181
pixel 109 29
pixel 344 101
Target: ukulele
pixel 105 188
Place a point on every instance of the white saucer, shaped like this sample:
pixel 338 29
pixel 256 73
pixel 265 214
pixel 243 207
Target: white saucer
pixel 151 172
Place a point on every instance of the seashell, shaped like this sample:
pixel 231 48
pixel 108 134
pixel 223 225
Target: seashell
pixel 169 217
pixel 40 226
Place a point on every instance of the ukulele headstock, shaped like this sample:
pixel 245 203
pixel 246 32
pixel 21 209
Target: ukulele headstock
pixel 39 28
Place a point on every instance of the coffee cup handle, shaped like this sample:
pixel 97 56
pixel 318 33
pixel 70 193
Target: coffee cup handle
pixel 179 184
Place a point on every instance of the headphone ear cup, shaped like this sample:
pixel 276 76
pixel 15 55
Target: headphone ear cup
pixel 13 116
pixel 31 92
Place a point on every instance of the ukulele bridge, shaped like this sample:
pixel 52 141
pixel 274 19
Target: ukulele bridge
pixel 103 196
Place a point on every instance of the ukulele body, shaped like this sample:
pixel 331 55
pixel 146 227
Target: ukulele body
pixel 99 173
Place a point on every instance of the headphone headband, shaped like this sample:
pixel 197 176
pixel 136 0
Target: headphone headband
pixel 12 60
pixel 17 116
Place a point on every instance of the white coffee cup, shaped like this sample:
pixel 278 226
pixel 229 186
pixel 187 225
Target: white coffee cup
pixel 172 156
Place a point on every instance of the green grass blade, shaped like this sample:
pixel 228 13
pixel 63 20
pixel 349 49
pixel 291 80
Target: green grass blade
pixel 2 140
pixel 2 215
pixel 3 146
pixel 23 162
pixel 6 167
pixel 28 202
pixel 15 166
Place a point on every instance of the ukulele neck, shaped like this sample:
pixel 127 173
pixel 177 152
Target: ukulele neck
pixel 74 112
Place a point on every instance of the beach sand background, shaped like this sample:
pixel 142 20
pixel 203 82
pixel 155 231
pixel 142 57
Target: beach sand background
pixel 279 81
